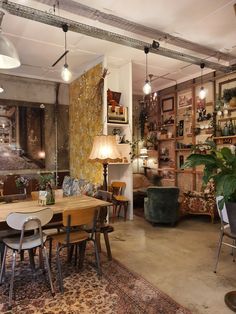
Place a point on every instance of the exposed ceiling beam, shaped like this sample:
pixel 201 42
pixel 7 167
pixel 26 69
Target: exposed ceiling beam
pixel 136 28
pixel 57 21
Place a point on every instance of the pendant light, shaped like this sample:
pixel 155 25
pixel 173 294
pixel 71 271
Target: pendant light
pixel 9 58
pixel 65 73
pixel 147 88
pixel 202 93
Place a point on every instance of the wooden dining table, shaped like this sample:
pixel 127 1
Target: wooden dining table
pixel 71 202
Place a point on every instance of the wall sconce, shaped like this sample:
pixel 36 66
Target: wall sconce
pixel 147 88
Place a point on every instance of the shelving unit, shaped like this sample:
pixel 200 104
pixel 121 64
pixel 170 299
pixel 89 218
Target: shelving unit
pixel 120 80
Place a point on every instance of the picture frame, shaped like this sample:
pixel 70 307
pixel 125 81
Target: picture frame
pixel 117 114
pixel 231 83
pixel 185 99
pixel 168 104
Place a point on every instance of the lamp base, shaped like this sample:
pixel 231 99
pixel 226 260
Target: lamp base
pixel 105 176
pixel 230 300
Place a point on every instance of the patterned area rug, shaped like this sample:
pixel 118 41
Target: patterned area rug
pixel 119 291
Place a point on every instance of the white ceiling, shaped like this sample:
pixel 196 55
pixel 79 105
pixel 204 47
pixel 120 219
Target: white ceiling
pixel 211 23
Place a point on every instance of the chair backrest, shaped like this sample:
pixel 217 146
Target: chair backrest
pixel 30 220
pixel 78 217
pixel 222 212
pixel 118 187
pixel 35 195
pixel 163 197
pixel 105 196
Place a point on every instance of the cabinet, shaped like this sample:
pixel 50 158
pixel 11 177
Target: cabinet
pixel 119 80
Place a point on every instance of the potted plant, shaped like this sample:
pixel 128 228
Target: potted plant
pixel 46 183
pixel 220 166
pixel 21 184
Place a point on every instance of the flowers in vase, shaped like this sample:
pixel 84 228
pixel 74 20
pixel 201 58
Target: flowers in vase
pixel 21 182
pixel 46 181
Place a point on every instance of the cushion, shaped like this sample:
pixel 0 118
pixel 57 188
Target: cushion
pixel 140 181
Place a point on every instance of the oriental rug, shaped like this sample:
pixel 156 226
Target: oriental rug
pixel 118 291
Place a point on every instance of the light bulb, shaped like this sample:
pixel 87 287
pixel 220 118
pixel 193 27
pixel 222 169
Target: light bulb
pixel 202 93
pixel 219 113
pixel 65 73
pixel 1 89
pixel 225 112
pixel 41 154
pixel 147 88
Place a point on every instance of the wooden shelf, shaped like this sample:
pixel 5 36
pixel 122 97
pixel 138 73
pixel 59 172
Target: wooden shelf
pixel 223 137
pixel 165 125
pixel 183 149
pixel 226 119
pixel 167 139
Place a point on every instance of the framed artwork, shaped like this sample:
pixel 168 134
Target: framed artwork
pixel 226 85
pixel 185 99
pixel 117 114
pixel 168 104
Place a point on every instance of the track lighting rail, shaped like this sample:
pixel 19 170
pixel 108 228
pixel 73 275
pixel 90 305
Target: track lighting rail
pixel 53 20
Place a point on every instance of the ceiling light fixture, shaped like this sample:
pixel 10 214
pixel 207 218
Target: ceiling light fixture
pixel 9 58
pixel 65 73
pixel 202 93
pixel 147 88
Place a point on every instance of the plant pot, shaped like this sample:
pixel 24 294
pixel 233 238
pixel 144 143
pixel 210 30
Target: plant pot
pixel 231 211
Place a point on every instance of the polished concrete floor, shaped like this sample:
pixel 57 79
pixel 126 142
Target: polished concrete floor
pixel 178 260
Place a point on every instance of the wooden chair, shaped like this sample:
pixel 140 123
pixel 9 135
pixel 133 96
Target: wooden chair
pixel 119 200
pixel 25 222
pixel 102 226
pixel 52 227
pixel 224 232
pixel 76 236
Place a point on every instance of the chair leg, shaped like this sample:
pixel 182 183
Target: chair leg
pixel 106 238
pixel 97 259
pixel 98 240
pixel 219 249
pixel 48 269
pixel 59 268
pixel 50 251
pixel 31 258
pixel 82 247
pixel 3 264
pixel 76 254
pixel 125 210
pixel 12 279
pixel 233 250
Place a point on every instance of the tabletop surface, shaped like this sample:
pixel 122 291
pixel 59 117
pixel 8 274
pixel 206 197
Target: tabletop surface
pixel 72 202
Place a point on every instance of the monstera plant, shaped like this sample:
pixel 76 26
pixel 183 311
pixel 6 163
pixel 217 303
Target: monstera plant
pixel 220 166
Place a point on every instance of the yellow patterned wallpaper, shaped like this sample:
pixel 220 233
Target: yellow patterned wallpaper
pixel 85 116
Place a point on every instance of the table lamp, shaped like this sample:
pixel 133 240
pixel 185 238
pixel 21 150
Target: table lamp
pixel 105 150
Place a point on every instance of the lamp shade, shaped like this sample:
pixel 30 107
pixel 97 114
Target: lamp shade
pixel 9 58
pixel 105 149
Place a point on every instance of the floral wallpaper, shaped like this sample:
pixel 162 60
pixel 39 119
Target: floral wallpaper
pixel 85 116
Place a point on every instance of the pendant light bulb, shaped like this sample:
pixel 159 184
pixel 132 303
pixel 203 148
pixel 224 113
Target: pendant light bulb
pixel 147 88
pixel 202 93
pixel 1 89
pixel 65 73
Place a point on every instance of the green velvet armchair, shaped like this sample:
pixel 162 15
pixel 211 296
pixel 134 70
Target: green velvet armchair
pixel 161 205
